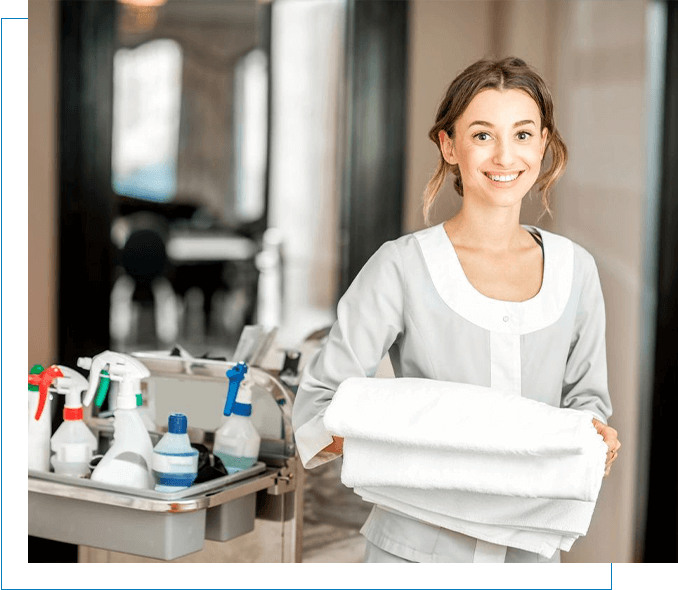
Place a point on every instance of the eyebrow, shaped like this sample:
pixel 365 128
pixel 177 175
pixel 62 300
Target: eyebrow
pixel 517 124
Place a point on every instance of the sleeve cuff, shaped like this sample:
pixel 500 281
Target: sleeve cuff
pixel 594 414
pixel 311 439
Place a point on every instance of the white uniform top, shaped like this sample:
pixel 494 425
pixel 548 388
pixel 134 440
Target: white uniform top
pixel 413 300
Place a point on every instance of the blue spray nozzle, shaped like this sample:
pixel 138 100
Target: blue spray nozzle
pixel 235 376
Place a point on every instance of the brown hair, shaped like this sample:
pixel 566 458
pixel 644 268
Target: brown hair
pixel 505 74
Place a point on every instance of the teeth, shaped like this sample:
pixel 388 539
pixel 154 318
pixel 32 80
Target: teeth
pixel 503 178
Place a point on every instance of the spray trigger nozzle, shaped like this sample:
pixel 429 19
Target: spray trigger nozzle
pixel 102 388
pixel 43 380
pixel 235 376
pixel 113 366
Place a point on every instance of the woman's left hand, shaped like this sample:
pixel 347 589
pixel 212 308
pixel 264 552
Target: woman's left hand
pixel 609 435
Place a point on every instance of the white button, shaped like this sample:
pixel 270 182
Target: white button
pixel 506 318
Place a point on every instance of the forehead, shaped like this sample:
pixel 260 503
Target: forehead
pixel 501 107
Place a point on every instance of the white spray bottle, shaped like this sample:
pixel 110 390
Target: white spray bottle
pixel 237 441
pixel 128 461
pixel 73 443
pixel 40 415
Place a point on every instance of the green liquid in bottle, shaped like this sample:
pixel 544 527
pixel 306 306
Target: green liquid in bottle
pixel 235 464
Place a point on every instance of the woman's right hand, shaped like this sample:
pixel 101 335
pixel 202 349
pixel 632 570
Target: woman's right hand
pixel 336 446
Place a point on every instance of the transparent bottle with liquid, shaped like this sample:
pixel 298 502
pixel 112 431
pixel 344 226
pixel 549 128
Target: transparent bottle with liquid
pixel 237 441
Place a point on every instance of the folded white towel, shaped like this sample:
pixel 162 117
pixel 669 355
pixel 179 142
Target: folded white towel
pixel 542 542
pixel 489 464
pixel 447 415
pixel 573 477
pixel 564 517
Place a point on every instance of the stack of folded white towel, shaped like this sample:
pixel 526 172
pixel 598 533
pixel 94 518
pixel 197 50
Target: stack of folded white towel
pixel 489 464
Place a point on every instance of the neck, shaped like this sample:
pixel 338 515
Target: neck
pixel 481 227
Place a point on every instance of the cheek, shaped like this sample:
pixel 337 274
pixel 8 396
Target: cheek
pixel 533 158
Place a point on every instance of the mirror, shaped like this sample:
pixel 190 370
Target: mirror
pixel 190 105
pixel 189 168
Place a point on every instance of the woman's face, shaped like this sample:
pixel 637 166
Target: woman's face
pixel 498 145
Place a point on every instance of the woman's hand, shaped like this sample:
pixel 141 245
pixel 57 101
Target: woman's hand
pixel 336 446
pixel 609 435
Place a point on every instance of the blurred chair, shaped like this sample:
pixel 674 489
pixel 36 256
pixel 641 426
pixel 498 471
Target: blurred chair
pixel 141 238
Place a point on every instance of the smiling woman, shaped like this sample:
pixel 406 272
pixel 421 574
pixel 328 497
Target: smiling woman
pixel 478 300
pixel 504 154
pixel 490 129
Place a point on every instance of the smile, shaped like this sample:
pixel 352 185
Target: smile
pixel 502 177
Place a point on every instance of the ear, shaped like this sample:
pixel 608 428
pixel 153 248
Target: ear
pixel 447 147
pixel 544 137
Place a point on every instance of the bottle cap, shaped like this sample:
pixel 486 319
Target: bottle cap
pixel 35 370
pixel 177 423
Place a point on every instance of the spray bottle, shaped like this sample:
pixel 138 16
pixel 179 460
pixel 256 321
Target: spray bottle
pixel 128 461
pixel 40 415
pixel 73 443
pixel 237 442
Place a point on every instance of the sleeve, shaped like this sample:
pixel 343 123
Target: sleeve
pixel 585 381
pixel 369 320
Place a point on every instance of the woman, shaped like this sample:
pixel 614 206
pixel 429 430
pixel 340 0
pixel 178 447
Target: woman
pixel 479 299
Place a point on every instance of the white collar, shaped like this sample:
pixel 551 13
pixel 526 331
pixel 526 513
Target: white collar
pixel 508 317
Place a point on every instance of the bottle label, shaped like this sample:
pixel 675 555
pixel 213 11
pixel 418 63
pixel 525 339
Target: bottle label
pixel 181 480
pixel 175 463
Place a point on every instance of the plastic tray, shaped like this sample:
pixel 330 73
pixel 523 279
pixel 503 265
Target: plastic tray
pixel 144 522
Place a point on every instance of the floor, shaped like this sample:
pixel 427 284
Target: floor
pixel 333 515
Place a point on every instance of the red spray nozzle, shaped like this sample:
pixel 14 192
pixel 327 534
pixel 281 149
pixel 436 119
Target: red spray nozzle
pixel 43 381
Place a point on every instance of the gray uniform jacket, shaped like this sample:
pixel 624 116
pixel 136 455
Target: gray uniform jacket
pixel 413 300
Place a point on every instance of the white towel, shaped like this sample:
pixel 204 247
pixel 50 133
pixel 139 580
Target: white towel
pixel 447 415
pixel 492 465
pixel 539 541
pixel 375 463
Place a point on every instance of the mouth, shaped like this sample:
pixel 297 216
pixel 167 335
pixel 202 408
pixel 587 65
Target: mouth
pixel 503 179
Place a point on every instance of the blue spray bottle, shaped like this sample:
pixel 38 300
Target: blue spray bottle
pixel 237 442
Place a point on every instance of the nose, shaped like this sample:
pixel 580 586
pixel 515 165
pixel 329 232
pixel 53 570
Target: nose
pixel 503 154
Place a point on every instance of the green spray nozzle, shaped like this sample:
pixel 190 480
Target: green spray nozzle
pixel 102 388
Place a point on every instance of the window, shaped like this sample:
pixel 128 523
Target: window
pixel 251 136
pixel 146 109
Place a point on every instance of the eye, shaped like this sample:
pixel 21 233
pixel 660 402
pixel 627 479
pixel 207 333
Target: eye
pixel 482 136
pixel 523 135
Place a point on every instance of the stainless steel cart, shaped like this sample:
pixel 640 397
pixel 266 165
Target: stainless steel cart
pixel 154 525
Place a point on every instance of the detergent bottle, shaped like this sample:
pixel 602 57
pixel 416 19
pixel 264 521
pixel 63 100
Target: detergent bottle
pixel 128 461
pixel 237 442
pixel 175 461
pixel 73 443
pixel 40 415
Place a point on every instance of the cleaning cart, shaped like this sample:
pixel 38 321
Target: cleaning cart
pixel 166 526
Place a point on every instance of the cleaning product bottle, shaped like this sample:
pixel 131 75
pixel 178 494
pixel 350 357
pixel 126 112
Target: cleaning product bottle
pixel 128 461
pixel 237 442
pixel 73 443
pixel 40 415
pixel 175 461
